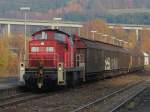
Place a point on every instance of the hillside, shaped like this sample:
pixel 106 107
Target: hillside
pixel 78 10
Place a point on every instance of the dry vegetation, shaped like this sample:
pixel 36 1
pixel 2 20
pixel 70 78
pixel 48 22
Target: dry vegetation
pixel 107 35
pixel 145 41
pixel 102 29
pixel 10 53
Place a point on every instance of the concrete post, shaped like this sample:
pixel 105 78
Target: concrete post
pixel 8 30
pixel 52 27
pixel 137 34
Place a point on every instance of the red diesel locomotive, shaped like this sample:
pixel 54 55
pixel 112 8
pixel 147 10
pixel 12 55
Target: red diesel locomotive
pixel 50 59
pixel 57 58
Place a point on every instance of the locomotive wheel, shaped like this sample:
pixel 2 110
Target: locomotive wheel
pixel 49 85
pixel 32 84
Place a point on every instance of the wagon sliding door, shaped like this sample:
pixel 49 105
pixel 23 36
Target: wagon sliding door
pixel 94 61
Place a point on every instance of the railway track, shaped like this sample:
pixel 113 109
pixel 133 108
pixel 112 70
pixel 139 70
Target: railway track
pixel 127 100
pixel 8 92
pixel 59 102
pixel 17 99
pixel 105 101
pixel 12 96
pixel 117 107
pixel 23 97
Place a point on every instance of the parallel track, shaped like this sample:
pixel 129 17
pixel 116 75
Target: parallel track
pixel 12 96
pixel 100 100
pixel 127 100
pixel 24 97
pixel 19 98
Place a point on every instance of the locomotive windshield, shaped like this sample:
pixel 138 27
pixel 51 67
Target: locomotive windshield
pixel 49 35
pixel 41 35
pixel 60 37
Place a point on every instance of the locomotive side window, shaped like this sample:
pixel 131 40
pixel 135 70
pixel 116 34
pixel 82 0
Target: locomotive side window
pixel 35 49
pixel 49 49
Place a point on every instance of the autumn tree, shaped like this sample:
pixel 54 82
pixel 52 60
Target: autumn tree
pixel 94 25
pixel 117 34
pixel 120 33
pixel 12 51
pixel 132 39
pixel 17 42
pixel 145 41
pixel 8 59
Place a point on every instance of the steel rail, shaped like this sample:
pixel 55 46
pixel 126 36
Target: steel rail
pixel 127 100
pixel 13 96
pixel 105 97
pixel 20 99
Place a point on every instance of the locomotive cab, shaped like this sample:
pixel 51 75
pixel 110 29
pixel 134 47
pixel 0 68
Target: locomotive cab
pixel 48 48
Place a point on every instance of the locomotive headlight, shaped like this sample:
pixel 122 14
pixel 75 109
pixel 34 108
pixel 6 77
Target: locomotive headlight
pixel 59 69
pixel 42 43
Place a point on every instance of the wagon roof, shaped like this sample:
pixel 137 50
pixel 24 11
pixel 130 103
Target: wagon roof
pixel 102 45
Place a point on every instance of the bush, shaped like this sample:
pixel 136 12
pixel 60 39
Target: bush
pixel 8 58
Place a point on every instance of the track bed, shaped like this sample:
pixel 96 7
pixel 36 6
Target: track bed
pixel 67 100
pixel 140 103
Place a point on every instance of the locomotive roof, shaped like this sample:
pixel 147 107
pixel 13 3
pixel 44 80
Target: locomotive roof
pixel 52 30
pixel 102 45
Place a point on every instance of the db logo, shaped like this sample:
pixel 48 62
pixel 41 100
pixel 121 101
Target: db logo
pixel 107 63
